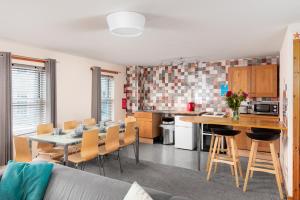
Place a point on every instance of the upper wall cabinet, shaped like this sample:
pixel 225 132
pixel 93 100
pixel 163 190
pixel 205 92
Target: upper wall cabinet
pixel 239 78
pixel 258 81
pixel 264 81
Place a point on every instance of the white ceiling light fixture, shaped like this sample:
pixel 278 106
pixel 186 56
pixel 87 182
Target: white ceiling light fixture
pixel 126 24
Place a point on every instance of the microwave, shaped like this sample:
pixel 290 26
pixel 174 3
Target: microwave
pixel 265 107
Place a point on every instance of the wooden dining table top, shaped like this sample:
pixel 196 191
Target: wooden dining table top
pixel 243 122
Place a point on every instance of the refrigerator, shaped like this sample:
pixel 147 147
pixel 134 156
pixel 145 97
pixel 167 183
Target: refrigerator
pixel 185 134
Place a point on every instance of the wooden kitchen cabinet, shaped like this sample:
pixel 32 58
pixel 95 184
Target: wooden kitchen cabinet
pixel 257 81
pixel 148 123
pixel 239 78
pixel 264 81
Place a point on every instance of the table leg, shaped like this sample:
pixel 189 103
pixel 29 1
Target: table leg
pixel 66 153
pixel 199 139
pixel 137 145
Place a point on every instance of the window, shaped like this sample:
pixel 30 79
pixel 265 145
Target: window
pixel 28 98
pixel 107 93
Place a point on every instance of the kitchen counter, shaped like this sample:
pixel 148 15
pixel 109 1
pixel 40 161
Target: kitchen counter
pixel 175 112
pixel 247 123
pixel 244 122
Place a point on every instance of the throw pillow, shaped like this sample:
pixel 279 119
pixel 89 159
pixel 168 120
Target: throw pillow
pixel 22 180
pixel 136 192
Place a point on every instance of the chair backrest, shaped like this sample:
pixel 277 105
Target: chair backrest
pixel 112 141
pixel 89 122
pixel 22 151
pixel 44 129
pixel 89 146
pixel 70 124
pixel 130 119
pixel 129 136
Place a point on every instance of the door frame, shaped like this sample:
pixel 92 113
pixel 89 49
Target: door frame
pixel 296 117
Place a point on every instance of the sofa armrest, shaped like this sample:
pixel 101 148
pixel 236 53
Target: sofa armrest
pixel 1 171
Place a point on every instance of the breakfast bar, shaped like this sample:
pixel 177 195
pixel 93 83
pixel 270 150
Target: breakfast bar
pixel 246 123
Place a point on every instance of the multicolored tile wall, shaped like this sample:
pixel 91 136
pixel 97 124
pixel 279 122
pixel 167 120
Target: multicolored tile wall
pixel 172 87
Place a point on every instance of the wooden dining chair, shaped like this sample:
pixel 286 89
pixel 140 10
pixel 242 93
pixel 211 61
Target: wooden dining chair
pixel 129 136
pixel 46 148
pixel 70 125
pixel 89 122
pixel 112 144
pixel 89 150
pixel 23 153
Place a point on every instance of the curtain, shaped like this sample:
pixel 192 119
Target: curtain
pixel 6 145
pixel 96 93
pixel 50 67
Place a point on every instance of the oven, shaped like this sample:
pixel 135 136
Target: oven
pixel 265 107
pixel 206 137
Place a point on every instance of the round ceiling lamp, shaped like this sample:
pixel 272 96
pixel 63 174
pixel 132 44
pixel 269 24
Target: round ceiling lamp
pixel 126 24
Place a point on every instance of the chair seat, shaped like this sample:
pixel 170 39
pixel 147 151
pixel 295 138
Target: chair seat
pixel 123 143
pixel 265 130
pixel 71 149
pixel 103 151
pixel 53 153
pixel 264 136
pixel 225 132
pixel 45 158
pixel 76 158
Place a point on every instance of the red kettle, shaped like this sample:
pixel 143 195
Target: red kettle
pixel 190 106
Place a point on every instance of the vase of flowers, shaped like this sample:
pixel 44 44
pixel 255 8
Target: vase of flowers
pixel 234 101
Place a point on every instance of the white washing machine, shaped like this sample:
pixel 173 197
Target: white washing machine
pixel 185 134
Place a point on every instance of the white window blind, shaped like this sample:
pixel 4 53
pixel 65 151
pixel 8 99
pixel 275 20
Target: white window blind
pixel 28 98
pixel 107 93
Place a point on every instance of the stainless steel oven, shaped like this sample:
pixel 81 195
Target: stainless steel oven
pixel 265 107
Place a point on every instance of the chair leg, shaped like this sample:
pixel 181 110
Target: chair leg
pixel 229 154
pixel 218 153
pixel 276 167
pixel 234 162
pixel 250 162
pixel 119 158
pixel 238 159
pixel 212 157
pixel 210 151
pixel 253 163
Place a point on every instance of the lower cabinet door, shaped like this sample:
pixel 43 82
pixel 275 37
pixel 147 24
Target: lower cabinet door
pixel 185 138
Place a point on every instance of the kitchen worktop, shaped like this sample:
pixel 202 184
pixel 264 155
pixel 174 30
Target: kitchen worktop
pixel 243 122
pixel 175 112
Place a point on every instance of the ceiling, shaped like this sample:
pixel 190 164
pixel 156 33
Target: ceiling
pixel 206 29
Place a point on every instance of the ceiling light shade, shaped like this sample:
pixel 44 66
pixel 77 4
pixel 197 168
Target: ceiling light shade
pixel 126 24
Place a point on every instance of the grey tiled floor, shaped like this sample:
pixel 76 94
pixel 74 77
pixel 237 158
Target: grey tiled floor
pixel 168 155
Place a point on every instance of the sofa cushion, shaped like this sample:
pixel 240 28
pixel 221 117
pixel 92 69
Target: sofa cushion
pixel 136 192
pixel 72 184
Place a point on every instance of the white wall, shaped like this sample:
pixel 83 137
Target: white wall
pixel 74 80
pixel 286 78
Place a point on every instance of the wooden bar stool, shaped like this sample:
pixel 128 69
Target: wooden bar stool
pixel 262 165
pixel 232 157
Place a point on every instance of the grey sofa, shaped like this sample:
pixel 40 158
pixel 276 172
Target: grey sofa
pixel 72 184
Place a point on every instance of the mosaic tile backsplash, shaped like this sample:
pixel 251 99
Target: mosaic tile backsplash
pixel 172 87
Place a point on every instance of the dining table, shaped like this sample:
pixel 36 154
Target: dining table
pixel 67 138
pixel 244 123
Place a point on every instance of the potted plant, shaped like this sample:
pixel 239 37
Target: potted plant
pixel 234 101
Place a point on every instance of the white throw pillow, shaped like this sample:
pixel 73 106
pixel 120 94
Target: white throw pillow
pixel 136 192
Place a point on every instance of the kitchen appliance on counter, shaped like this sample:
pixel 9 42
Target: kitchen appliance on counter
pixel 244 108
pixel 185 134
pixel 265 107
pixel 168 130
pixel 190 106
pixel 214 114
